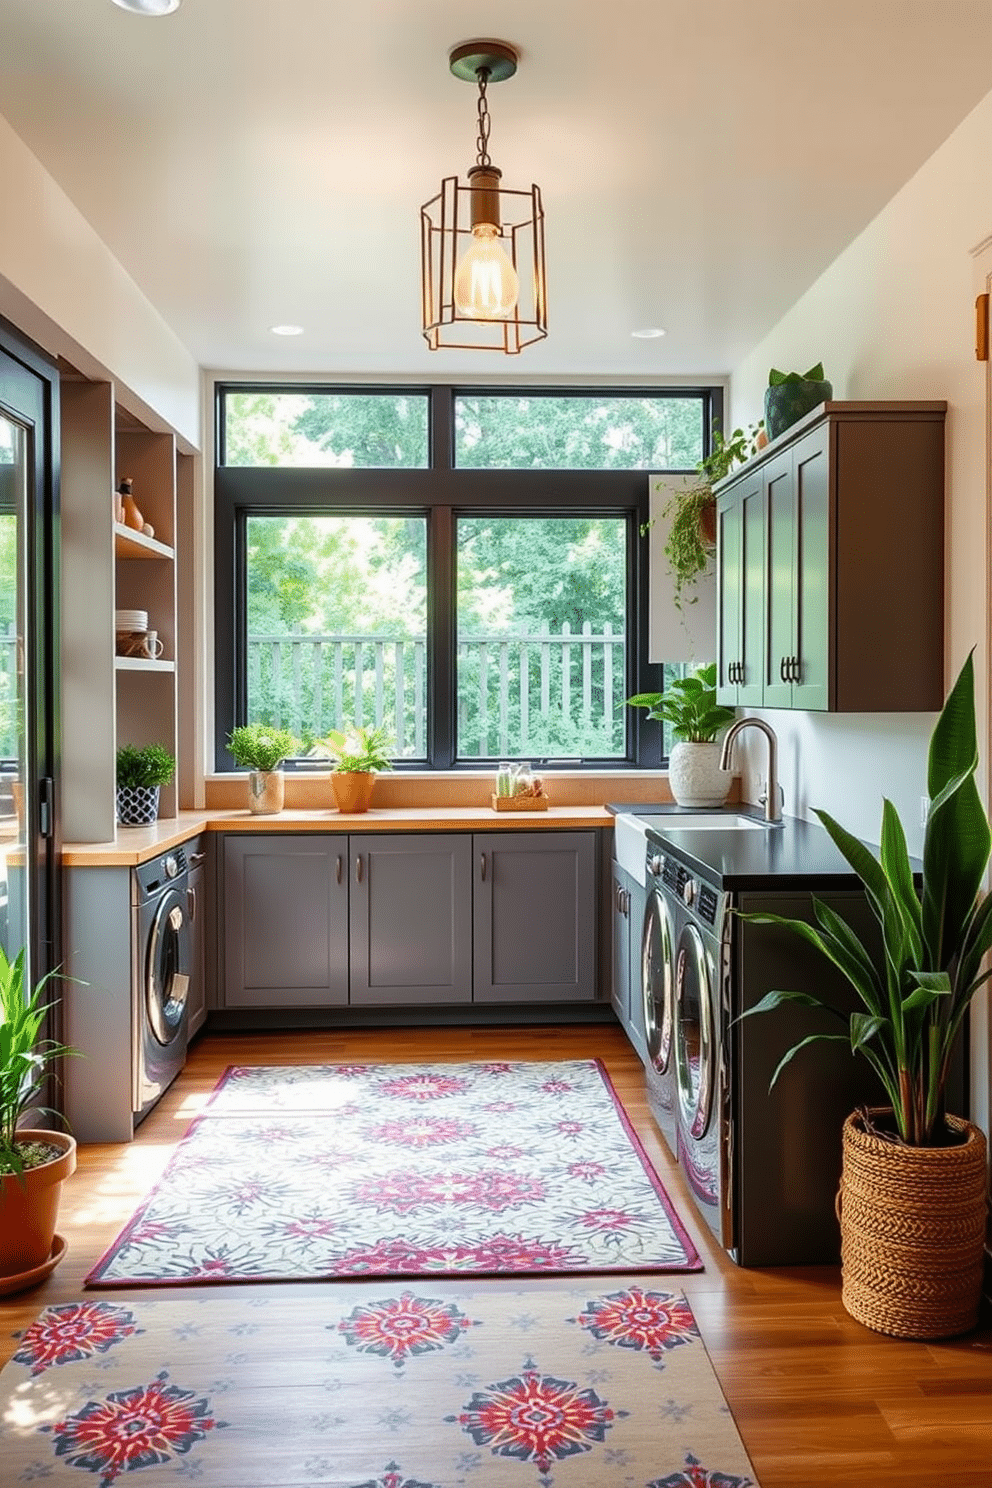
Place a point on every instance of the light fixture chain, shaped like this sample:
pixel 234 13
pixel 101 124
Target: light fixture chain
pixel 485 122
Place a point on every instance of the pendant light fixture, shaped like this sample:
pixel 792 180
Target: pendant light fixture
pixel 482 244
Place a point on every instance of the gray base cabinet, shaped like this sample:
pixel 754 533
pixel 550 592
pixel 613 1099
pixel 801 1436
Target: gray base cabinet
pixel 197 901
pixel 285 920
pixel 535 921
pixel 408 919
pixel 411 919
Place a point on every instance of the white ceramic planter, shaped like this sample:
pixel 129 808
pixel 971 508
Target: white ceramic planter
pixel 695 777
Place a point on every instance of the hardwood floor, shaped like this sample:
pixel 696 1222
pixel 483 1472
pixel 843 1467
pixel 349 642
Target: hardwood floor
pixel 819 1400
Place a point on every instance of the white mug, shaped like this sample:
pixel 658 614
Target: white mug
pixel 151 646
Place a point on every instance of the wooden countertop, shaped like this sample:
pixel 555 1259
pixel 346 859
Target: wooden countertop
pixel 134 845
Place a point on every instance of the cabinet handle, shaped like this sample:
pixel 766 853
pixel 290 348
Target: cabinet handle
pixel 197 858
pixel 626 903
pixel 795 674
pixel 783 669
pixel 358 868
pixel 338 869
pixel 191 903
pixel 482 866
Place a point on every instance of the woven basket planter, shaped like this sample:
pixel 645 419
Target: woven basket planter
pixel 912 1226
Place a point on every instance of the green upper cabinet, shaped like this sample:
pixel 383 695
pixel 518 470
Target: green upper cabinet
pixel 830 589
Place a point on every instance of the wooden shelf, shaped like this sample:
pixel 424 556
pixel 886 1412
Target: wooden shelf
pixel 131 544
pixel 142 664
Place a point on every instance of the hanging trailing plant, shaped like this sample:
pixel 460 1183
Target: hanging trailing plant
pixel 691 540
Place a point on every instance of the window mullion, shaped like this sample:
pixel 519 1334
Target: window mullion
pixel 441 625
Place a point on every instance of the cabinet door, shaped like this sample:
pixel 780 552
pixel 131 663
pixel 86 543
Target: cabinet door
pixel 535 916
pixel 740 592
pixel 620 979
pixel 729 597
pixel 780 651
pixel 285 920
pixel 197 904
pixel 411 918
pixel 813 563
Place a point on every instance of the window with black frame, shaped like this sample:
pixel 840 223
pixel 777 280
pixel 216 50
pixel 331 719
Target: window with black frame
pixel 464 567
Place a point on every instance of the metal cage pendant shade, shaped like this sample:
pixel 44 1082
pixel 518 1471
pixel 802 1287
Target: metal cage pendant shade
pixel 483 283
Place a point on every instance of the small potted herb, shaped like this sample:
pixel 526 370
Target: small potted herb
pixel 358 753
pixel 690 708
pixel 263 750
pixel 141 771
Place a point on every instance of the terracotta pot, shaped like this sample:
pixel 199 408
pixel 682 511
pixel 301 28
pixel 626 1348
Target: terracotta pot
pixel 912 1227
pixel 694 774
pixel 266 791
pixel 352 789
pixel 29 1205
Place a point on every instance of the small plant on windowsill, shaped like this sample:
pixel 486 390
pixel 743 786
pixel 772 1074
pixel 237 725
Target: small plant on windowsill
pixel 691 540
pixel 358 753
pixel 263 750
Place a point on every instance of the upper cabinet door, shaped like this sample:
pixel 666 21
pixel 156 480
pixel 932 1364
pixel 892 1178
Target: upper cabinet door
pixel 780 648
pixel 812 572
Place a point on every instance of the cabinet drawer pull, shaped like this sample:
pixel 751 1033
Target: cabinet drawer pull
pixel 339 868
pixel 358 868
pixel 783 668
pixel 191 903
pixel 482 867
pixel 196 858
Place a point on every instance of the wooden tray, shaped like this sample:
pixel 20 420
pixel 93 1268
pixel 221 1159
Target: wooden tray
pixel 520 803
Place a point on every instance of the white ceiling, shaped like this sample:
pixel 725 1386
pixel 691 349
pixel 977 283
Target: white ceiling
pixel 252 162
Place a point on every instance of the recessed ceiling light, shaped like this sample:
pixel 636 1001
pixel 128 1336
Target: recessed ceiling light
pixel 149 7
pixel 286 330
pixel 648 334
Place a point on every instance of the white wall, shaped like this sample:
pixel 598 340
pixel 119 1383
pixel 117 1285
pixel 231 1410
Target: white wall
pixel 62 287
pixel 893 317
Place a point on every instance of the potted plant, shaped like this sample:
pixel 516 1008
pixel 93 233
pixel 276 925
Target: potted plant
pixel 34 1163
pixel 913 1199
pixel 141 772
pixel 357 753
pixel 263 750
pixel 691 709
pixel 791 395
pixel 691 540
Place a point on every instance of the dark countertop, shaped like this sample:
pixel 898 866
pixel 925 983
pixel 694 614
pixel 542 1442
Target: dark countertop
pixel 797 852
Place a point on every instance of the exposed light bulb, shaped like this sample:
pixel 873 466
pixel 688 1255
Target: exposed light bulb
pixel 486 284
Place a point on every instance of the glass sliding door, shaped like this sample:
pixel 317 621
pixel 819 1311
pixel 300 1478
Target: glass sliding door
pixel 29 909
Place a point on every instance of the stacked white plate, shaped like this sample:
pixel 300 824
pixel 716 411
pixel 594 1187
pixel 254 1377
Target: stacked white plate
pixel 130 619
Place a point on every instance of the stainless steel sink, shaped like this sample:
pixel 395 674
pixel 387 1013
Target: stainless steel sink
pixel 702 822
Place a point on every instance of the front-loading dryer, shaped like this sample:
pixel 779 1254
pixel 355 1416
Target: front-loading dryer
pixel 161 951
pixel 657 998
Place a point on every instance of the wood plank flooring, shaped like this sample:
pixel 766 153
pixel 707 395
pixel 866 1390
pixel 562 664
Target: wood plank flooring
pixel 819 1400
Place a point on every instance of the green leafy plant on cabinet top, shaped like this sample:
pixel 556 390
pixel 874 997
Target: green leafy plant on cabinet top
pixel 145 765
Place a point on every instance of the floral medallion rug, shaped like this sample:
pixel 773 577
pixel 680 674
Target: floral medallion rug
pixel 313 1171
pixel 433 1384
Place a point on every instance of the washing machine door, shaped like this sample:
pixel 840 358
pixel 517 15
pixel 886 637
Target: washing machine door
pixel 167 968
pixel 657 962
pixel 695 1042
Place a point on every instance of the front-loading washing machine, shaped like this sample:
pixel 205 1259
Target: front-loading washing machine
pixel 161 951
pixel 657 996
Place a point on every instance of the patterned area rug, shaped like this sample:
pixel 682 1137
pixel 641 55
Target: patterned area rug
pixel 431 1385
pixel 308 1172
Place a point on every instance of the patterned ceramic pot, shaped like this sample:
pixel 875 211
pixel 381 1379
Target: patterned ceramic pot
pixel 266 791
pixel 137 805
pixel 695 777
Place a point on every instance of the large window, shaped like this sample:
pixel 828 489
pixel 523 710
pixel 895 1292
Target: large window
pixel 466 567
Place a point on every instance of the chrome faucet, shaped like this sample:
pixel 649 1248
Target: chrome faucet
pixel 772 799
